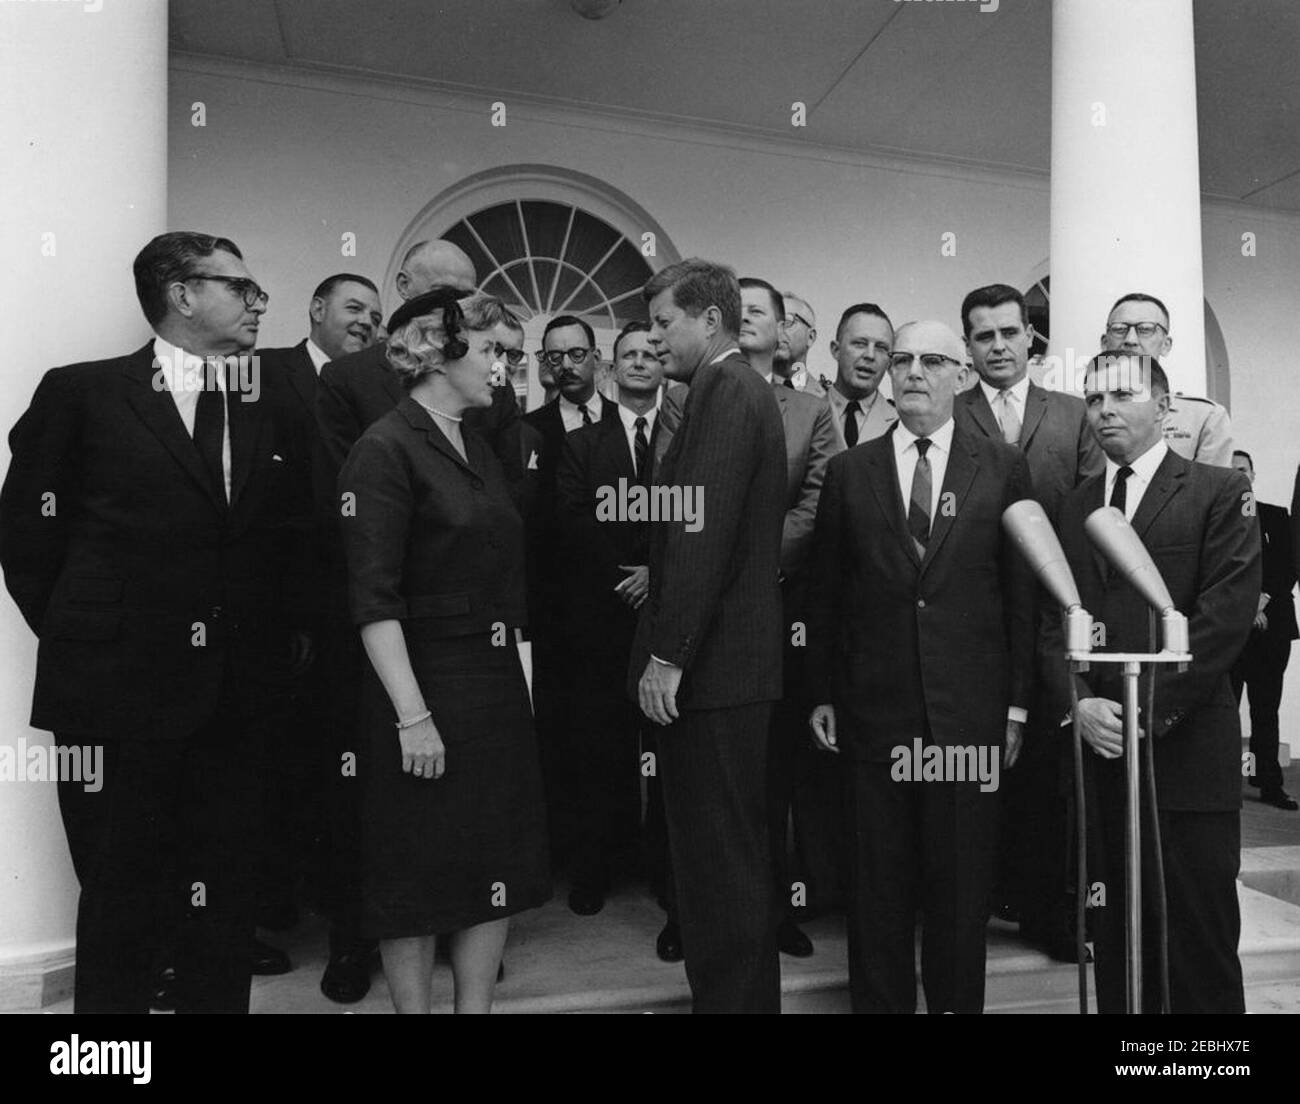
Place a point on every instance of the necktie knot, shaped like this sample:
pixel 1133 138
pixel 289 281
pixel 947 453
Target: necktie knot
pixel 639 423
pixel 854 407
pixel 586 414
pixel 923 446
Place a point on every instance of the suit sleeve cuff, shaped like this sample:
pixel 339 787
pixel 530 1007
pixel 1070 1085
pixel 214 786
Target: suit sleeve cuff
pixel 1017 714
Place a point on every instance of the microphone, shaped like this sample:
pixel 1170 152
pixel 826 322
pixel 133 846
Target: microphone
pixel 1114 537
pixel 1027 525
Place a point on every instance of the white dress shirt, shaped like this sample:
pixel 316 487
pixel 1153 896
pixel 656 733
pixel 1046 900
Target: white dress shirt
pixel 571 412
pixel 906 455
pixel 629 425
pixel 319 357
pixel 1016 394
pixel 183 374
pixel 1144 470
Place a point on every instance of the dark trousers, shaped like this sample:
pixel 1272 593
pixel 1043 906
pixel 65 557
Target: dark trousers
pixel 163 852
pixel 917 846
pixel 1202 854
pixel 713 765
pixel 1260 668
pixel 1036 841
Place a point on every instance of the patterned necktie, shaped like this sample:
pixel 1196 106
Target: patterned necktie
pixel 1010 419
pixel 1119 493
pixel 851 424
pixel 641 447
pixel 210 431
pixel 918 512
pixel 586 414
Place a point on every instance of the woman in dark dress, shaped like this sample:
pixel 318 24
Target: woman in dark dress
pixel 454 838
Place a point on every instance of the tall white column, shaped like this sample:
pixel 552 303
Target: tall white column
pixel 1125 188
pixel 83 141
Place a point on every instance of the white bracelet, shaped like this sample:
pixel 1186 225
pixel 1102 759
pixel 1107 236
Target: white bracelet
pixel 411 722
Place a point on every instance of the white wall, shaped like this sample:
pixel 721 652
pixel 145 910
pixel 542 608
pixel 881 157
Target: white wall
pixel 288 161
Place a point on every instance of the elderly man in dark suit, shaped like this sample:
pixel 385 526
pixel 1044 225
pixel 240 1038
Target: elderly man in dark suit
pixel 1263 661
pixel 706 660
pixel 1051 429
pixel 150 524
pixel 1198 524
pixel 921 643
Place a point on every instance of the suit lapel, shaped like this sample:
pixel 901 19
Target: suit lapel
pixel 613 443
pixel 157 409
pixel 302 377
pixel 882 476
pixel 1167 482
pixel 1035 408
pixel 1094 498
pixel 418 418
pixel 245 430
pixel 982 414
pixel 957 480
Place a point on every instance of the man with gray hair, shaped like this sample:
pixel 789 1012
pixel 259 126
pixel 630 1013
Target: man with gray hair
pixel 796 337
pixel 920 640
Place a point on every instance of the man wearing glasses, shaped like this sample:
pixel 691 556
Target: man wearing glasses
pixel 920 633
pixel 569 350
pixel 150 531
pixel 796 337
pixel 1195 428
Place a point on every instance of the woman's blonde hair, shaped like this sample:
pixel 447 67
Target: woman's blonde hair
pixel 415 349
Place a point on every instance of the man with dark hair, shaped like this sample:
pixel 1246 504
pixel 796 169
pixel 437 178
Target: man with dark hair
pixel 604 565
pixel 920 634
pixel 1198 525
pixel 1262 664
pixel 809 444
pixel 706 659
pixel 863 341
pixel 1195 428
pixel 797 334
pixel 150 527
pixel 1051 429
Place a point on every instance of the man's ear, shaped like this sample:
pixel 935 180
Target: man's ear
pixel 316 312
pixel 835 349
pixel 712 321
pixel 181 299
pixel 812 337
pixel 403 282
pixel 1166 345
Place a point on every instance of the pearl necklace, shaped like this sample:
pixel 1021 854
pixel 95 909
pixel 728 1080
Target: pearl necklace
pixel 439 413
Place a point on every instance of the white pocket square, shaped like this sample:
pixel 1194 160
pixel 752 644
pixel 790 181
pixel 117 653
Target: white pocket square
pixel 277 457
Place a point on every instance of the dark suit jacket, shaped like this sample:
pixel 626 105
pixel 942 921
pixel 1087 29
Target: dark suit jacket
pixel 1279 571
pixel 714 607
pixel 1207 550
pixel 435 541
pixel 1055 437
pixel 135 550
pixel 596 621
pixel 902 645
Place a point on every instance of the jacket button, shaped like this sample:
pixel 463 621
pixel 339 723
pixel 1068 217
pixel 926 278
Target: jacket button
pixel 920 603
pixel 215 613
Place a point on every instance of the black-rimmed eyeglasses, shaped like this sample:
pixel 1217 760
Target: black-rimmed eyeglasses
pixel 240 285
pixel 555 357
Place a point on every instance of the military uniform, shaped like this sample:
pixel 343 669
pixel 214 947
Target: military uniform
pixel 1199 429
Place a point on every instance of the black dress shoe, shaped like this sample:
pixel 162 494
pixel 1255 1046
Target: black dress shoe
pixel 790 940
pixel 347 977
pixel 267 959
pixel 162 991
pixel 586 902
pixel 1279 799
pixel 669 944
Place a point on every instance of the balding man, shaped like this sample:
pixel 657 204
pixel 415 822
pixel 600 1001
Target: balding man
pixel 921 642
pixel 798 332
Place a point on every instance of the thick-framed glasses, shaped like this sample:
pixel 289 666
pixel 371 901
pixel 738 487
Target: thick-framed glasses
pixel 555 357
pixel 930 362
pixel 1119 330
pixel 513 357
pixel 794 317
pixel 240 285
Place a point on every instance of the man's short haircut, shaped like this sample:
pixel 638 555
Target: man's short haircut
pixel 1141 297
pixel 327 285
pixel 1249 459
pixel 1159 381
pixel 635 326
pixel 778 303
pixel 861 308
pixel 697 285
pixel 992 295
pixel 169 258
pixel 812 314
pixel 569 320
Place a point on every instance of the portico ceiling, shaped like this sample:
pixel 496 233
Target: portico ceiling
pixel 941 80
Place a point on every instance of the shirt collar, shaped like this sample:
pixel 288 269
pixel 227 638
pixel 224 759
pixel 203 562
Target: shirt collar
pixel 1020 391
pixel 940 439
pixel 841 403
pixel 179 367
pixel 592 404
pixel 733 351
pixel 1144 467
pixel 319 357
pixel 629 417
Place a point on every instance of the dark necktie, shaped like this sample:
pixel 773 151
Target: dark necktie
pixel 641 447
pixel 586 414
pixel 1119 493
pixel 918 512
pixel 789 383
pixel 851 424
pixel 210 429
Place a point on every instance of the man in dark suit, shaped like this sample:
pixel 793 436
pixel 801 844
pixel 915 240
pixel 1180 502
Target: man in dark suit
pixel 1198 524
pixel 706 659
pixel 921 642
pixel 1051 429
pixel 569 350
pixel 1262 663
pixel 312 797
pixel 809 444
pixel 149 529
pixel 604 564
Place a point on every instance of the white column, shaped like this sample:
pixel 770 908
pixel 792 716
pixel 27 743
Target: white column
pixel 1126 202
pixel 83 141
